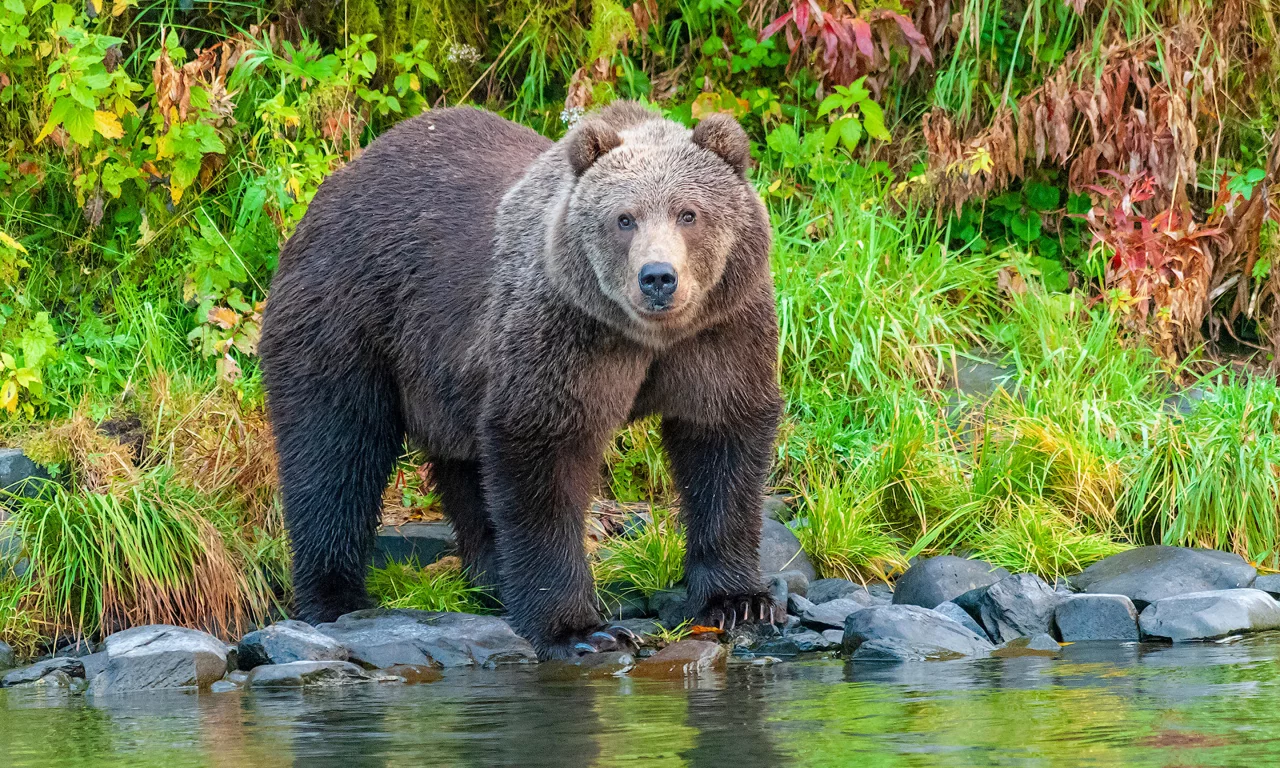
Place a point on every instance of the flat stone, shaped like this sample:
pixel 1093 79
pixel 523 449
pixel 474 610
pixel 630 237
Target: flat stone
pixel 804 641
pixel 19 474
pixel 1018 606
pixel 1148 574
pixel 780 551
pixel 288 641
pixel 831 614
pixel 1096 617
pixel 942 578
pixel 834 636
pixel 7 658
pixel 682 659
pixel 380 638
pixel 958 614
pixel 160 656
pixel 1036 645
pixel 895 651
pixel 69 667
pixel 1209 615
pixel 421 543
pixel 1269 583
pixel 915 626
pixel 308 674
pixel 414 674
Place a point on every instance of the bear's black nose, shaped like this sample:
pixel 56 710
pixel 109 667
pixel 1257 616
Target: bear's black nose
pixel 658 281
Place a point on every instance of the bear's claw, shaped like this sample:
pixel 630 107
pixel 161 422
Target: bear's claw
pixel 611 638
pixel 727 612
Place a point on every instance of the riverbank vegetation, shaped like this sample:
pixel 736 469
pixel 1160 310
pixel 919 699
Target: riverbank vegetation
pixel 1078 199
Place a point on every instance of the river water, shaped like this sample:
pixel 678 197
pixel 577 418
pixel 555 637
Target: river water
pixel 1096 705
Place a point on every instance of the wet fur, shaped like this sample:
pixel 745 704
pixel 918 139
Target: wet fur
pixel 452 285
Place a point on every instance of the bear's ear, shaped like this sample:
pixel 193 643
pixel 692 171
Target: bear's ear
pixel 721 134
pixel 591 140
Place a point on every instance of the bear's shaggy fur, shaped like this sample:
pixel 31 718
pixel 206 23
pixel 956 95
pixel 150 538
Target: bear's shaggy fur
pixel 471 285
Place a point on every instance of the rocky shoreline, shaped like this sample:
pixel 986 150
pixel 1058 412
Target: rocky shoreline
pixel 942 608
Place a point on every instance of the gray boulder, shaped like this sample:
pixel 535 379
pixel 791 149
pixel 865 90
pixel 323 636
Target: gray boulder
pixel 383 638
pixel 777 587
pixel 1209 615
pixel 1096 617
pixel 1269 583
pixel 286 642
pixel 57 667
pixel 780 551
pixel 829 615
pixel 18 474
pixel 804 641
pixel 1019 606
pixel 928 631
pixel 958 614
pixel 824 590
pixel 1148 574
pixel 160 656
pixel 307 674
pixel 7 658
pixel 894 651
pixel 796 581
pixel 943 578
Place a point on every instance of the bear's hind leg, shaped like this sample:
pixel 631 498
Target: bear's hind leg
pixel 462 495
pixel 337 439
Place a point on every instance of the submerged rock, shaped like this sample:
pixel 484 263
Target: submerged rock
pixel 960 615
pixel 780 551
pixel 938 579
pixel 926 630
pixel 591 665
pixel 894 651
pixel 414 674
pixel 385 637
pixel 305 674
pixel 160 656
pixel 1037 645
pixel 1210 615
pixel 1017 606
pixel 1096 617
pixel 58 667
pixel 1148 574
pixel 804 641
pixel 687 657
pixel 288 641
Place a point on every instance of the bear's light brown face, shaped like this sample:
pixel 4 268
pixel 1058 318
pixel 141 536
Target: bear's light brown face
pixel 652 215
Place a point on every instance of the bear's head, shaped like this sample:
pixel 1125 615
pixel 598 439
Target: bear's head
pixel 661 213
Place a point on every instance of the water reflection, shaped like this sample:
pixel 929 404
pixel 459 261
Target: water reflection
pixel 1103 705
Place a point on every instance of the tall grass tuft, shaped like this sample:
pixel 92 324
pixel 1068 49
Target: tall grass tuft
pixel 647 561
pixel 441 586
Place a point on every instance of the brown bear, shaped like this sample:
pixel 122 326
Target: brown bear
pixel 508 303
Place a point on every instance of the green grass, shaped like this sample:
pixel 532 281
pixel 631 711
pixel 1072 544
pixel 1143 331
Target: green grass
pixel 648 561
pixel 441 586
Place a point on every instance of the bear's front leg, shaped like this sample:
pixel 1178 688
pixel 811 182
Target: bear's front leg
pixel 720 470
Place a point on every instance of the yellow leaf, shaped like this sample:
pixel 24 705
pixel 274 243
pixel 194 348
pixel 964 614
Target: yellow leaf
pixel 6 240
pixel 175 192
pixel 119 6
pixel 225 318
pixel 9 396
pixel 107 124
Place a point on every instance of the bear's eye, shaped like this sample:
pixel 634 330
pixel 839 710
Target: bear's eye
pixel 626 222
pixel 687 217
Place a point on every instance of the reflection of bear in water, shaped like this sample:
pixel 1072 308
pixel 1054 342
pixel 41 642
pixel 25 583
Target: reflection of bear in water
pixel 508 303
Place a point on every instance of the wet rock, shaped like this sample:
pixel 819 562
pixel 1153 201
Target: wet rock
pixel 591 665
pixel 880 592
pixel 687 657
pixel 1209 615
pixel 750 636
pixel 1019 606
pixel 159 656
pixel 7 658
pixel 414 674
pixel 777 587
pixel 939 579
pixel 223 686
pixel 799 604
pixel 1037 645
pixel 669 606
pixel 94 664
pixel 1269 584
pixel 824 590
pixel 797 582
pixel 630 605
pixel 895 651
pixel 381 638
pixel 421 543
pixel 307 674
pixel 1148 574
pixel 237 676
pixel 834 636
pixel 780 551
pixel 288 641
pixel 775 507
pixel 958 614
pixel 19 474
pixel 66 667
pixel 1096 617
pixel 804 641
pixel 829 615
pixel 912 625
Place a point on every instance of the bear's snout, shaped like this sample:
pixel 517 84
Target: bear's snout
pixel 658 282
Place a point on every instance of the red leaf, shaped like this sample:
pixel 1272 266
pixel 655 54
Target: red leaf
pixel 776 25
pixel 862 34
pixel 801 11
pixel 913 35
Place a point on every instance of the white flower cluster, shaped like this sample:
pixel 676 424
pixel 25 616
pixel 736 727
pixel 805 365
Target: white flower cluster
pixel 571 115
pixel 461 52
